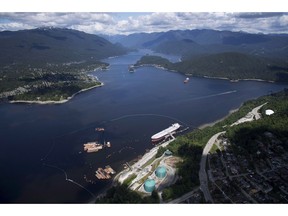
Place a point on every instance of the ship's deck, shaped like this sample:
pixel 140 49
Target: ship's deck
pixel 166 131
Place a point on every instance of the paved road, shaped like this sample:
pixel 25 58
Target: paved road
pixel 202 172
pixel 184 197
pixel 256 113
pixel 250 116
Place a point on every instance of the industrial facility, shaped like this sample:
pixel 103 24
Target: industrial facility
pixel 149 174
pixel 155 179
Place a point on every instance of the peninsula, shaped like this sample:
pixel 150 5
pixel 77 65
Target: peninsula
pixel 51 65
pixel 231 65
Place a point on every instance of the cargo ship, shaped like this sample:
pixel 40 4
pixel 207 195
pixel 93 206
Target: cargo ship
pixel 165 133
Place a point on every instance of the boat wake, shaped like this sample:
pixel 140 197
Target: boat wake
pixel 203 97
pixel 148 114
pixel 48 153
pixel 214 95
pixel 70 180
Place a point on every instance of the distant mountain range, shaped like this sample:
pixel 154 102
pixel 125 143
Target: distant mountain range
pixel 234 55
pixel 54 45
pixel 191 43
pixel 28 57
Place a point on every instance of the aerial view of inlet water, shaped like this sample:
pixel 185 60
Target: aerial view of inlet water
pixel 171 115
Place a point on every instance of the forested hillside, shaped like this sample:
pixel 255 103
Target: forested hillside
pixel 189 147
pixel 50 63
pixel 233 66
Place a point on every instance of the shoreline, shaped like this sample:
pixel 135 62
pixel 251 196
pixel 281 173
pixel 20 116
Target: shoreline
pixel 104 191
pixel 235 80
pixel 207 77
pixel 155 148
pixel 219 120
pixel 56 102
pixel 145 157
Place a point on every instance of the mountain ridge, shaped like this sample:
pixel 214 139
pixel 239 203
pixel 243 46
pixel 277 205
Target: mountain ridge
pixel 51 64
pixel 208 41
pixel 54 45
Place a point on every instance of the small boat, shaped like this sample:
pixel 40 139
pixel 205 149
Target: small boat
pixel 131 68
pixel 99 129
pixel 186 80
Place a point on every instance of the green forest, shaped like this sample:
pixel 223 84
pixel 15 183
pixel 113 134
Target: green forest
pixel 51 63
pixel 230 65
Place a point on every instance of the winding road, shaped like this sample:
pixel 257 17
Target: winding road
pixel 203 179
pixel 202 172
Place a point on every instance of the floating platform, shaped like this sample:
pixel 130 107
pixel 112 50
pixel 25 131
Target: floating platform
pixel 99 129
pixel 104 173
pixel 92 147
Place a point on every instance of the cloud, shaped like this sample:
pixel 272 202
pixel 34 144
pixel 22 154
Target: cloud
pixel 127 23
pixel 259 15
pixel 63 20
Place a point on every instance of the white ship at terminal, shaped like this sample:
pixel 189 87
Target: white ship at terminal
pixel 165 133
pixel 153 174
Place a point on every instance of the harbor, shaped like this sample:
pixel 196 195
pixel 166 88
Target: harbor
pixel 149 172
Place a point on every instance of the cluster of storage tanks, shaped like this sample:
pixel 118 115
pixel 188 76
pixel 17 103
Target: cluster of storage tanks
pixel 149 184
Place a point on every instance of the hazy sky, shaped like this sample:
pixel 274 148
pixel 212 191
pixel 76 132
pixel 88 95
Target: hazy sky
pixel 131 16
pixel 127 23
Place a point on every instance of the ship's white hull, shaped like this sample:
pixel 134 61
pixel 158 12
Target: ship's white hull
pixel 165 133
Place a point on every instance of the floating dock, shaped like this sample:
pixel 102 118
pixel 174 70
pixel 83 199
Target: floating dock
pixel 92 147
pixel 104 173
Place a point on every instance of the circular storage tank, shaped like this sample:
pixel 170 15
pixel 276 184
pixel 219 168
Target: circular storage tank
pixel 149 185
pixel 161 172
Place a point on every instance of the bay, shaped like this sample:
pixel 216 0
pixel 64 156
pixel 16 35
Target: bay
pixel 41 147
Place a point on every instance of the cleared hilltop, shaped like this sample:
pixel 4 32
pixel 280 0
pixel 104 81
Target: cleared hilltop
pixel 50 63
